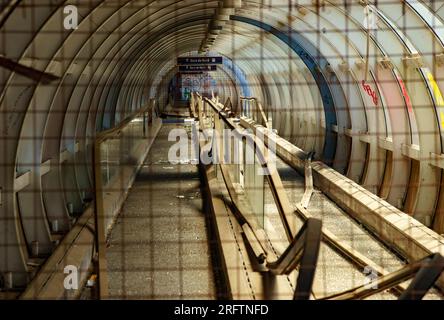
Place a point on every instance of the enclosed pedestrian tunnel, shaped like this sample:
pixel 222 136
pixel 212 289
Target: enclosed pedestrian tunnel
pixel 360 85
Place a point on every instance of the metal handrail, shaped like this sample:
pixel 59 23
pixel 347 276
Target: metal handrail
pixel 303 252
pixel 284 208
pixel 259 107
pixel 115 131
pixel 303 249
pixel 99 217
pixel 292 255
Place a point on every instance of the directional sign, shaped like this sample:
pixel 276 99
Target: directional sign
pixel 192 72
pixel 199 60
pixel 202 68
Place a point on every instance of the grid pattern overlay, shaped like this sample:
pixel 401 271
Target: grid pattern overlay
pixel 91 99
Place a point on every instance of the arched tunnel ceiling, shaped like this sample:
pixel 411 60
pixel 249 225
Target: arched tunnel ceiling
pixel 369 103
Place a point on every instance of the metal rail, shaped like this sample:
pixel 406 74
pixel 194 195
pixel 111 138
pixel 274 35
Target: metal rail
pixel 259 110
pixel 79 245
pixel 283 204
pixel 302 252
pixel 304 247
pixel 360 204
pixel 146 115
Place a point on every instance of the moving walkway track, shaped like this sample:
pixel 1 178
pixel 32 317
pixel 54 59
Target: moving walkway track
pixel 349 253
pixel 159 247
pixel 350 249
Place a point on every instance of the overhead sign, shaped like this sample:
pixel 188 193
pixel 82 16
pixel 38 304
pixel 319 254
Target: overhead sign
pixel 197 68
pixel 199 60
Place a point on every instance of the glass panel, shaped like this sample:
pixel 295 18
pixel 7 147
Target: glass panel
pixel 253 180
pixel 120 156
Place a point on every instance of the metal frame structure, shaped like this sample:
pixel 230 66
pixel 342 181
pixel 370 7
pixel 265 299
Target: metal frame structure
pixel 303 248
pixel 123 53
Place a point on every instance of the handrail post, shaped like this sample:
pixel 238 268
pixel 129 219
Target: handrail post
pixel 308 182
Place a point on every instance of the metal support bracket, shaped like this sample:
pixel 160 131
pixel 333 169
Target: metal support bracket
pixel 308 181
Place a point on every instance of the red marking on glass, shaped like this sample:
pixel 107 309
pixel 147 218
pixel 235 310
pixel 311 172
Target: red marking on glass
pixel 405 94
pixel 370 92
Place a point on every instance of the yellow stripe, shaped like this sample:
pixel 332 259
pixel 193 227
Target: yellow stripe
pixel 438 97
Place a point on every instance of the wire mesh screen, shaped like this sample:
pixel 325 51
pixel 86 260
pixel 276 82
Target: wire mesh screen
pixel 125 130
